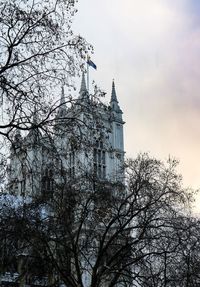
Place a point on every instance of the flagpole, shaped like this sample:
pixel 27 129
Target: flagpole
pixel 88 78
pixel 89 63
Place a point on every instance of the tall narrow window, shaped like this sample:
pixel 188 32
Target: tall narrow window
pixel 22 186
pixel 72 164
pixel 47 183
pixel 99 159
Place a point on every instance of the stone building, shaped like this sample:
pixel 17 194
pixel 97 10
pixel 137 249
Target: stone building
pixel 84 145
pixel 87 137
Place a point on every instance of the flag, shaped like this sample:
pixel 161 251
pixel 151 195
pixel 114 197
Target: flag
pixel 92 64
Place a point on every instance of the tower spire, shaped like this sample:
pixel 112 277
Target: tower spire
pixel 83 90
pixel 83 84
pixel 114 104
pixel 34 134
pixel 113 94
pixel 62 111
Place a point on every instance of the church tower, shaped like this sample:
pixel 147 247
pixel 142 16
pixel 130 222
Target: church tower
pixel 117 135
pixel 88 139
pixel 74 167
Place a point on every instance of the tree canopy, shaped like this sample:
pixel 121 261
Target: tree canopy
pixel 39 52
pixel 137 234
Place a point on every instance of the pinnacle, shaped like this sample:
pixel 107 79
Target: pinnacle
pixel 114 104
pixel 62 99
pixel 62 108
pixel 83 84
pixel 84 95
pixel 113 95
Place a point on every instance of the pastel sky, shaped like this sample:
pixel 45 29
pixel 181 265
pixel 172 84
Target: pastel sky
pixel 152 50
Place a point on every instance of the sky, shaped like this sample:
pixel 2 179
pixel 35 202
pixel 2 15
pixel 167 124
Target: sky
pixel 151 48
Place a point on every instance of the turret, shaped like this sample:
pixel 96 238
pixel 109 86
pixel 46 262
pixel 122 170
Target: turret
pixel 62 110
pixel 62 114
pixel 114 105
pixel 116 137
pixel 34 136
pixel 83 93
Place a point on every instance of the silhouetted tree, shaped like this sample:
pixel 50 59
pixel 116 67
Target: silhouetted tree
pixel 108 234
pixel 39 52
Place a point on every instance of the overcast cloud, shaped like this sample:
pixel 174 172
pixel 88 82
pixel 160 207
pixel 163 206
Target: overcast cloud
pixel 152 50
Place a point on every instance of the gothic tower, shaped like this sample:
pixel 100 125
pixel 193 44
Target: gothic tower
pixel 78 169
pixel 88 138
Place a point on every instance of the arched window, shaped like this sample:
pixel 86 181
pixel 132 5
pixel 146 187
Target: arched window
pixel 72 164
pixel 47 183
pixel 99 159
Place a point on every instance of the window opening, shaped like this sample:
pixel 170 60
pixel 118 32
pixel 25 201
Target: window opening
pixel 99 159
pixel 72 164
pixel 47 182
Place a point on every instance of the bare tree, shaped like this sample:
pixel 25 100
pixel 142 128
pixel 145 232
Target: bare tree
pixel 188 252
pixel 78 229
pixel 106 234
pixel 39 52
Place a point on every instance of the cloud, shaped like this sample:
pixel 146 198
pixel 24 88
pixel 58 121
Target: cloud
pixel 152 50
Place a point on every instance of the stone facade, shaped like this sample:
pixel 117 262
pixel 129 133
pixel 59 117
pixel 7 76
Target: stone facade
pixel 86 141
pixel 87 138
